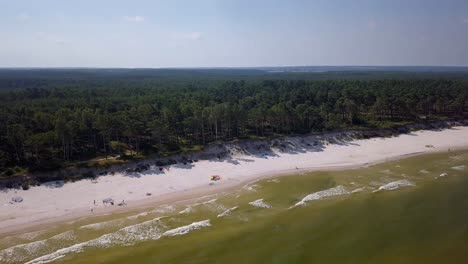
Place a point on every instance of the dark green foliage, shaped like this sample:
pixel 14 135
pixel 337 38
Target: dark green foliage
pixel 63 123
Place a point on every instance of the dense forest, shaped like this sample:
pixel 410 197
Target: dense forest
pixel 68 123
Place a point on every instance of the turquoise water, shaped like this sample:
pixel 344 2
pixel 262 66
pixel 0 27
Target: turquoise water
pixel 420 215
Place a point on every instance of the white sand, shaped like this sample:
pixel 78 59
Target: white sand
pixel 45 204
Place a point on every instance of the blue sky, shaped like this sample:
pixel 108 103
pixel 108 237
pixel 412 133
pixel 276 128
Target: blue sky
pixel 232 33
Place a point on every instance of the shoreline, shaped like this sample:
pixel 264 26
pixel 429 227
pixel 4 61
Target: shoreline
pixel 216 150
pixel 332 157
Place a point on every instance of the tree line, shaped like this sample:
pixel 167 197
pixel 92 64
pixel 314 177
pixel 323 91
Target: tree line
pixel 50 127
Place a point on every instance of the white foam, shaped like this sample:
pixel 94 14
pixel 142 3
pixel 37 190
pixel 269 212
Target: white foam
pixel 212 205
pixel 424 171
pixel 260 203
pixel 227 212
pixel 19 253
pixel 31 235
pixel 274 180
pixel 442 175
pixel 183 230
pixel 69 235
pixel 210 201
pixel 335 191
pixel 126 236
pixel 187 210
pixel 22 252
pixel 459 168
pixel 165 209
pixel 395 185
pixel 206 202
pixel 358 190
pixel 252 188
pixel 58 254
pixel 102 225
pixel 133 217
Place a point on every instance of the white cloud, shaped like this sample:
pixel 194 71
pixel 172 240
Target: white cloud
pixel 372 25
pixel 24 16
pixel 187 36
pixel 135 19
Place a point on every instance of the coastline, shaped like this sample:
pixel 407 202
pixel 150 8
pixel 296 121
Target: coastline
pixel 46 205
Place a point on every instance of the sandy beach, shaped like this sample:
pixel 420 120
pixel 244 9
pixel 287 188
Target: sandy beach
pixel 56 201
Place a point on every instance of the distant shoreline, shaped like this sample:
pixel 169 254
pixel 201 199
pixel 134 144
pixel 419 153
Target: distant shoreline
pixel 213 151
pixel 49 204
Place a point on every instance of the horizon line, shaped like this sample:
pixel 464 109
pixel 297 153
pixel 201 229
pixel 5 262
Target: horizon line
pixel 235 67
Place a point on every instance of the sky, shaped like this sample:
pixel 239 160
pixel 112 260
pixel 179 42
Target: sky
pixel 233 33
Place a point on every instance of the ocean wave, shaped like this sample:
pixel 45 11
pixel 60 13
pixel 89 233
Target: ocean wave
pixel 187 210
pixel 212 205
pixel 58 254
pixel 252 188
pixel 459 168
pixel 183 230
pixel 227 212
pixel 210 201
pixel 335 191
pixel 206 202
pixel 164 209
pixel 22 252
pixel 102 225
pixel 441 175
pixel 395 185
pixel 260 203
pixel 133 217
pixel 358 190
pixel 31 235
pixel 126 236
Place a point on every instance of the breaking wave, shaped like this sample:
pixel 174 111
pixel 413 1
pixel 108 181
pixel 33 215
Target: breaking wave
pixel 211 205
pixel 133 217
pixel 336 191
pixel 164 209
pixel 358 190
pixel 260 203
pixel 183 230
pixel 126 236
pixel 102 225
pixel 252 188
pixel 227 212
pixel 187 210
pixel 395 185
pixel 22 252
pixel 459 168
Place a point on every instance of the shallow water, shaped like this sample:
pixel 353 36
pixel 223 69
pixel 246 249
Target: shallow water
pixel 407 211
